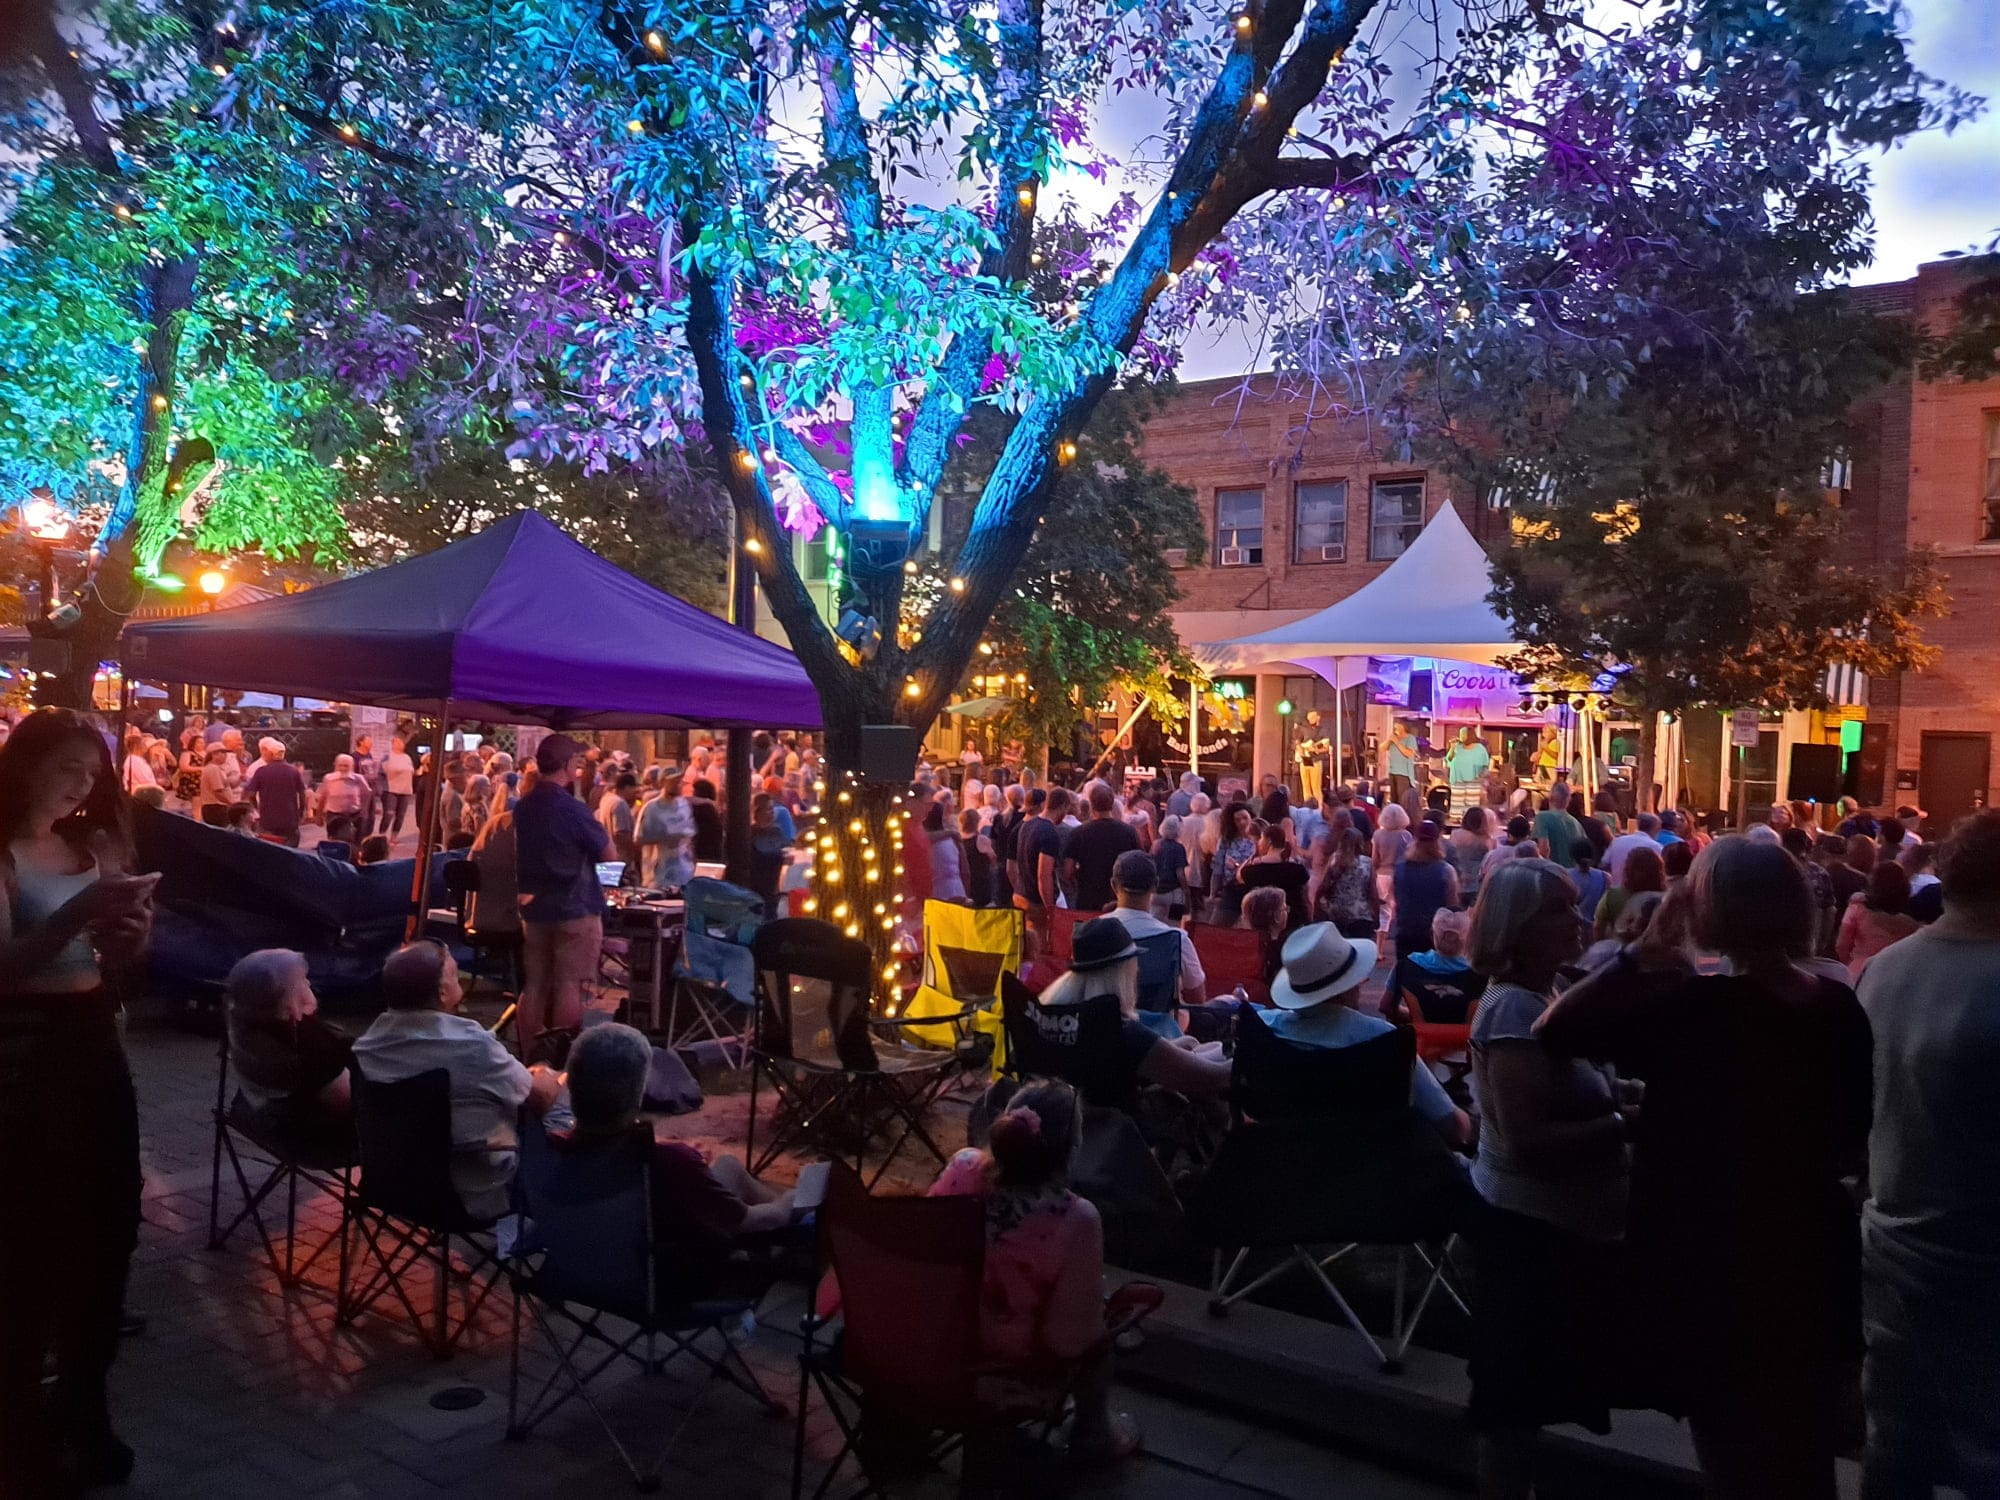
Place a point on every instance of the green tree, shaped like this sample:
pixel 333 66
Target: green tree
pixel 1089 608
pixel 1683 526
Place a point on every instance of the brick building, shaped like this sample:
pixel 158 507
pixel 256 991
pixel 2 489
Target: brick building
pixel 1301 515
pixel 1927 474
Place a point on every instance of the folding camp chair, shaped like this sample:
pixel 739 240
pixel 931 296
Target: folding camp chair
pixel 911 1273
pixel 587 1258
pixel 845 1083
pixel 1231 956
pixel 1325 1155
pixel 715 978
pixel 406 1212
pixel 461 883
pixel 1160 982
pixel 1063 924
pixel 1080 1044
pixel 966 950
pixel 259 1139
pixel 1441 1041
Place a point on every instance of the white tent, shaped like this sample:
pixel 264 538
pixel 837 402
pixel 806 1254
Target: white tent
pixel 1431 601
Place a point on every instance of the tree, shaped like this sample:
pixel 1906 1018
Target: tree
pixel 1088 612
pixel 675 537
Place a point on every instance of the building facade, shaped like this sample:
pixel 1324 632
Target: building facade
pixel 1927 475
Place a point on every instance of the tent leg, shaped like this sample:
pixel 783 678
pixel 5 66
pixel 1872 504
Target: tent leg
pixel 420 884
pixel 1339 730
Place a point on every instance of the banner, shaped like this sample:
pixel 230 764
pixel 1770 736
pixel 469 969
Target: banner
pixel 1389 680
pixel 1465 694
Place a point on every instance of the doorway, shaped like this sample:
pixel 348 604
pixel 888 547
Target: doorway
pixel 1952 777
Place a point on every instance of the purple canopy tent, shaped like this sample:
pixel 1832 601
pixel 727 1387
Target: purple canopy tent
pixel 518 624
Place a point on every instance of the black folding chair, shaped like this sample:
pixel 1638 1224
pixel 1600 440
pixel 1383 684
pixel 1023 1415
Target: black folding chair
pixel 845 1081
pixel 267 1143
pixel 407 1213
pixel 587 1260
pixel 462 883
pixel 1080 1044
pixel 1325 1155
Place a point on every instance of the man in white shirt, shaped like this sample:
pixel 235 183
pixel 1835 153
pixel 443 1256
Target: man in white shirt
pixel 422 1030
pixel 1647 835
pixel 1133 876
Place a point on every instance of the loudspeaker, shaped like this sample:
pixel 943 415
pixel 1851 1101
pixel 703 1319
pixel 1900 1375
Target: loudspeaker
pixel 888 752
pixel 1815 773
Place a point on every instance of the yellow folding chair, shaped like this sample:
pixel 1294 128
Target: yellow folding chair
pixel 966 950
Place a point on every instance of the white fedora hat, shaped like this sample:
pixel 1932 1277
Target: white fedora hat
pixel 1320 964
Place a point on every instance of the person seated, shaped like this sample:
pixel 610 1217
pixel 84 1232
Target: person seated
pixel 1267 912
pixel 374 850
pixel 422 1030
pixel 701 1209
pixel 290 1066
pixel 1316 1002
pixel 154 796
pixel 1044 1299
pixel 237 819
pixel 1440 974
pixel 1135 879
pixel 1105 961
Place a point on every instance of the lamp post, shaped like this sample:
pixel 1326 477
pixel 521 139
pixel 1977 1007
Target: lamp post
pixel 212 583
pixel 49 527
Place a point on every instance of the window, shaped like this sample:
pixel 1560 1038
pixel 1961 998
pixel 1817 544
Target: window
pixel 1396 515
pixel 1989 509
pixel 1319 529
pixel 1239 528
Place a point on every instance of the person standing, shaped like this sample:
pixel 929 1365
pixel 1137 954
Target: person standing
pixel 615 815
pixel 73 917
pixel 1399 762
pixel 1037 852
pixel 1465 763
pixel 1930 1230
pixel 343 801
pixel 1425 884
pixel 558 846
pixel 368 766
pixel 1551 1169
pixel 1745 1247
pixel 1556 831
pixel 665 837
pixel 399 789
pixel 709 835
pixel 221 783
pixel 278 789
pixel 1094 849
pixel 138 769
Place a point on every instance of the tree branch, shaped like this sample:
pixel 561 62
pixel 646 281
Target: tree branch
pixel 79 99
pixel 1018 94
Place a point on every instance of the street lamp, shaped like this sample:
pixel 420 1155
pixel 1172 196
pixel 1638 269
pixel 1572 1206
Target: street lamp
pixel 212 582
pixel 47 524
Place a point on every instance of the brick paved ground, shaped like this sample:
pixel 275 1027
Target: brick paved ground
pixel 240 1388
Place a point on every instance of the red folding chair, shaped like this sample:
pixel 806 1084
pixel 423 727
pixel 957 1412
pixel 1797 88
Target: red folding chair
pixel 1231 956
pixel 1062 932
pixel 1439 1041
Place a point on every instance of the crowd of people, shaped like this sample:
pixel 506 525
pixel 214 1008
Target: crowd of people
pixel 1727 1125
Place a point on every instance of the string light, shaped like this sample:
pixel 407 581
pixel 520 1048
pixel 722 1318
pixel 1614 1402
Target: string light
pixel 747 459
pixel 752 546
pixel 910 567
pixel 348 133
pixel 220 70
pixel 1259 99
pixel 1243 25
pixel 912 690
pixel 1026 197
pixel 120 210
pixel 1068 452
pixel 636 126
pixel 958 585
pixel 159 403
pixel 656 44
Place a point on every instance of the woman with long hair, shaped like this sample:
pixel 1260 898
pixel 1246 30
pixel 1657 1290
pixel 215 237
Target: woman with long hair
pixel 1877 917
pixel 1467 848
pixel 1758 1096
pixel 1236 848
pixel 1644 872
pixel 69 1131
pixel 1345 894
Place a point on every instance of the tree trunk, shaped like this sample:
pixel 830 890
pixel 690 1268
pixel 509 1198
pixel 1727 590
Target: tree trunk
pixel 1649 747
pixel 112 592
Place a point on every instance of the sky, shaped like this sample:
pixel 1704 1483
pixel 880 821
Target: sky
pixel 1942 192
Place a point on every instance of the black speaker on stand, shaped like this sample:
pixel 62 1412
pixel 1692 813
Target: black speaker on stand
pixel 888 752
pixel 1815 773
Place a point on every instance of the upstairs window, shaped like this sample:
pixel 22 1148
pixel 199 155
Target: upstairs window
pixel 1239 528
pixel 1319 530
pixel 1396 516
pixel 1989 506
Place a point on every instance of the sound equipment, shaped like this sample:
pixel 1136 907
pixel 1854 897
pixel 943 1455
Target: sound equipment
pixel 1815 773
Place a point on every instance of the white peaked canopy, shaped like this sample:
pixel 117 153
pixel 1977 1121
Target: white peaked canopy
pixel 1431 601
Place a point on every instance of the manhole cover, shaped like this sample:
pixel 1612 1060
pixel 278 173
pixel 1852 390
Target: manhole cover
pixel 458 1398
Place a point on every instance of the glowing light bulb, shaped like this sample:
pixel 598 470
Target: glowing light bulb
pixel 1026 197
pixel 636 126
pixel 752 546
pixel 747 459
pixel 1259 99
pixel 985 648
pixel 912 690
pixel 121 211
pixel 656 44
pixel 220 70
pixel 958 585
pixel 888 971
pixel 910 567
pixel 1243 25
pixel 854 827
pixel 1068 451
pixel 349 133
pixel 159 403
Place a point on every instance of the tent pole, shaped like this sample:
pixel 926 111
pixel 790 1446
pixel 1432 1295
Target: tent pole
pixel 420 884
pixel 1194 727
pixel 1339 730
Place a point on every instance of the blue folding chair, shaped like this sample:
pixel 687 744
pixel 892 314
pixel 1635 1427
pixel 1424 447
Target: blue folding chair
pixel 715 977
pixel 586 1253
pixel 1160 983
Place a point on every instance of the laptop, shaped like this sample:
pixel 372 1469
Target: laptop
pixel 611 873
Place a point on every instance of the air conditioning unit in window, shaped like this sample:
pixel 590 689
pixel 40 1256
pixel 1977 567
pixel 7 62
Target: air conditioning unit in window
pixel 1331 552
pixel 1176 557
pixel 1235 557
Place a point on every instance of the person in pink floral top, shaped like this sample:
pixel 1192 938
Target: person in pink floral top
pixel 1044 1298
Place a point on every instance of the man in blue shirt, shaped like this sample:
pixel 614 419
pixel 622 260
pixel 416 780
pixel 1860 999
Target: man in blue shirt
pixel 558 845
pixel 1401 761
